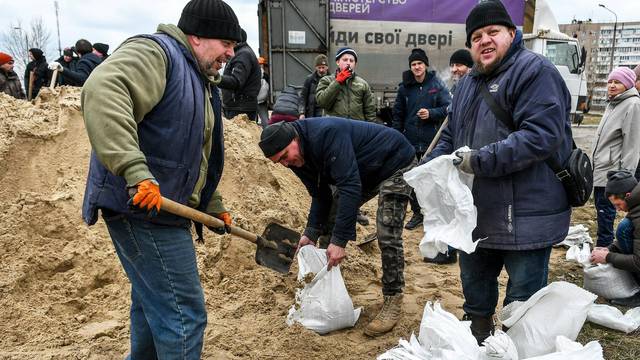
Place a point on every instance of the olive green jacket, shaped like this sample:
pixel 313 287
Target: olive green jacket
pixel 117 96
pixel 352 100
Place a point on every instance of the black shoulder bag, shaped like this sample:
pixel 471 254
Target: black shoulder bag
pixel 576 176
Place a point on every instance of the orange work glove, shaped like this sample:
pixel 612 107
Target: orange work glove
pixel 146 196
pixel 226 218
pixel 343 75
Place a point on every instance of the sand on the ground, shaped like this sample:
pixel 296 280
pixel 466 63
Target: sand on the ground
pixel 64 295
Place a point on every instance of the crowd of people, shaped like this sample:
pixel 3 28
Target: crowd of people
pixel 73 68
pixel 328 136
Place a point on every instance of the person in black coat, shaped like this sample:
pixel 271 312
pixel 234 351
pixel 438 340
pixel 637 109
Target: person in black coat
pixel 308 106
pixel 41 75
pixel 241 82
pixel 88 61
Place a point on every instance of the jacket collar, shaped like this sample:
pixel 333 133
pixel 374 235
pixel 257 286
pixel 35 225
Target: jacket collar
pixel 409 80
pixel 633 92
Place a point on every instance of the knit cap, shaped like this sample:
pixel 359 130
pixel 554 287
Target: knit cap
pixel 625 75
pixel 211 19
pixel 276 137
pixel 620 182
pixel 418 54
pixel 5 58
pixel 321 60
pixel 490 12
pixel 346 50
pixel 462 56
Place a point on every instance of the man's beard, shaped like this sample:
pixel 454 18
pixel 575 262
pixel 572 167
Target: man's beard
pixel 489 68
pixel 208 68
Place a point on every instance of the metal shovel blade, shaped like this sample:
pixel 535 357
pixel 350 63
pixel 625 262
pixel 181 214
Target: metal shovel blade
pixel 277 247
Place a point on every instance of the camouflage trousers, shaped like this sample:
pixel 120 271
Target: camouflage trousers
pixel 393 196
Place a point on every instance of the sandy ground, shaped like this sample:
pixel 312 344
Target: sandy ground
pixel 63 294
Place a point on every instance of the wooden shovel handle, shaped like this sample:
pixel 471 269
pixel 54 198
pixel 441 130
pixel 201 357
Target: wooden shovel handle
pixel 54 77
pixel 175 208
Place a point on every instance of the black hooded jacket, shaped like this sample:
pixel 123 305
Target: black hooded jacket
pixel 41 73
pixel 241 80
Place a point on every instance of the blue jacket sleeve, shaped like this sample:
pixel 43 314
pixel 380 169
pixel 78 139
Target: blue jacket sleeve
pixel 82 72
pixel 540 111
pixel 399 110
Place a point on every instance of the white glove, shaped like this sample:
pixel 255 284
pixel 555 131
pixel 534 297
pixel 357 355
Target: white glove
pixel 54 65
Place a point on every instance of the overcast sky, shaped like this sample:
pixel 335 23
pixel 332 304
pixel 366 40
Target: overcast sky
pixel 112 21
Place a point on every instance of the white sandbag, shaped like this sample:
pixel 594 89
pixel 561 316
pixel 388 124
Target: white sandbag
pixel 611 317
pixel 609 282
pixel 406 350
pixel 578 234
pixel 557 309
pixel 571 350
pixel 446 337
pixel 324 304
pixel 499 346
pixel 581 255
pixel 444 194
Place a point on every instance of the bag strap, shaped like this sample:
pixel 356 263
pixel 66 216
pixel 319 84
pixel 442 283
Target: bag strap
pixel 504 117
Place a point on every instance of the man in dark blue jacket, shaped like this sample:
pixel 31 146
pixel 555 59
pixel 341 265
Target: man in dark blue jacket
pixel 361 160
pixel 522 206
pixel 88 61
pixel 420 108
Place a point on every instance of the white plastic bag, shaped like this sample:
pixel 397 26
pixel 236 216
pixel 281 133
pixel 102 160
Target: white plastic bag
pixel 446 337
pixel 323 305
pixel 611 317
pixel 609 282
pixel 580 255
pixel 499 346
pixel 571 350
pixel 577 235
pixel 406 350
pixel 444 194
pixel 557 309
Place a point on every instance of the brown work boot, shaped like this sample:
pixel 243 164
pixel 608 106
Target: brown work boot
pixel 388 316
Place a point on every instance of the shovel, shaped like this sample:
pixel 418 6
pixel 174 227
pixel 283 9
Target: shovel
pixel 276 246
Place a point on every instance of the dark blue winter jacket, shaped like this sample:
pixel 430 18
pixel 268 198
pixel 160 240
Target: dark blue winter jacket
pixel 355 156
pixel 521 204
pixel 85 66
pixel 433 95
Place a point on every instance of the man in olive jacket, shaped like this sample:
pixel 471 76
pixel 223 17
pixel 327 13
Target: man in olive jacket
pixel 153 116
pixel 345 94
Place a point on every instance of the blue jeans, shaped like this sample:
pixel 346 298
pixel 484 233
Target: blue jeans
pixel 624 235
pixel 168 314
pixel 527 269
pixel 606 214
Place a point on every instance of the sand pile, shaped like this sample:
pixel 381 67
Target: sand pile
pixel 64 295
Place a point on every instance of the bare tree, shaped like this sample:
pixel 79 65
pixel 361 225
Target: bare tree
pixel 18 39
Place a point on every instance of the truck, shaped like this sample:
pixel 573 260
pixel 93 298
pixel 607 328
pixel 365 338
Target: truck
pixel 383 32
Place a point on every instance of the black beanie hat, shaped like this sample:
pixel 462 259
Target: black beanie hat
pixel 102 48
pixel 243 35
pixel 211 19
pixel 276 137
pixel 620 182
pixel 418 54
pixel 489 12
pixel 462 56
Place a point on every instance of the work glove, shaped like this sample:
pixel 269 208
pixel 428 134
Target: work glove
pixel 463 161
pixel 54 65
pixel 145 196
pixel 225 217
pixel 344 75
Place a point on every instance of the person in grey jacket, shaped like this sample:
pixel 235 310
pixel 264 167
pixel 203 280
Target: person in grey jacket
pixel 616 145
